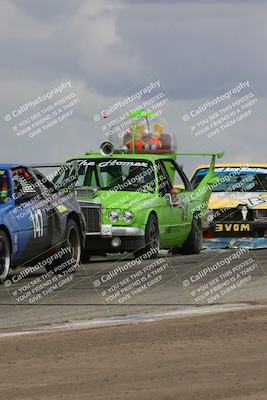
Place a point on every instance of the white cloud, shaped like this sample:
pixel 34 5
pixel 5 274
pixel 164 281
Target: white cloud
pixel 15 24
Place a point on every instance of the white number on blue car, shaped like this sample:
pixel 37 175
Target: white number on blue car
pixel 38 223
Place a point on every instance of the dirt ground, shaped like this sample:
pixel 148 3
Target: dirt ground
pixel 221 356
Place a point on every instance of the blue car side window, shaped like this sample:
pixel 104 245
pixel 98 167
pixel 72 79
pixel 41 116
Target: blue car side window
pixel 24 187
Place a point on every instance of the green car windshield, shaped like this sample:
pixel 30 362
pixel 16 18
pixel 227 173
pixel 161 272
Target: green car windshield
pixel 236 179
pixel 4 187
pixel 117 174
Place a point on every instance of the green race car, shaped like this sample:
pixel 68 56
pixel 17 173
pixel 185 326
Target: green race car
pixel 140 202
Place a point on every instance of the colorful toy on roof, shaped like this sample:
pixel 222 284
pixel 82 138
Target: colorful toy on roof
pixel 140 140
pixel 155 143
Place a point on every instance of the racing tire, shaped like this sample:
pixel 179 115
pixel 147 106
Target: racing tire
pixel 193 243
pixel 152 239
pixel 73 238
pixel 5 256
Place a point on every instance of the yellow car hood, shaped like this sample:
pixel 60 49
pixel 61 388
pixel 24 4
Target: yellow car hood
pixel 255 200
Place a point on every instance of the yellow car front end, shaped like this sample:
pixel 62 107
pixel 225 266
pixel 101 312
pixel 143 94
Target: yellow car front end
pixel 238 204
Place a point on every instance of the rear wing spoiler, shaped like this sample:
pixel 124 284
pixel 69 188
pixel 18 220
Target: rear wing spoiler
pixel 212 155
pixel 203 190
pixel 219 155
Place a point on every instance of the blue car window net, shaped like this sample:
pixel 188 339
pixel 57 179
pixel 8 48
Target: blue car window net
pixel 4 186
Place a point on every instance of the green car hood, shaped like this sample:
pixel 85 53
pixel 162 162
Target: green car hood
pixel 124 200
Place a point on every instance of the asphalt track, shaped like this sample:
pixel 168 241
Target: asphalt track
pixel 111 287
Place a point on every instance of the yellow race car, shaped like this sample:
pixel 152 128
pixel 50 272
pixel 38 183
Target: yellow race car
pixel 238 204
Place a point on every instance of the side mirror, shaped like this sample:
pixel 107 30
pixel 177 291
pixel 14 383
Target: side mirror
pixel 87 191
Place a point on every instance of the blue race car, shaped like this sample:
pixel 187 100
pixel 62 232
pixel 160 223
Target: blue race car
pixel 35 217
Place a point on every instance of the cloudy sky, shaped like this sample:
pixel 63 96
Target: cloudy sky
pixel 106 47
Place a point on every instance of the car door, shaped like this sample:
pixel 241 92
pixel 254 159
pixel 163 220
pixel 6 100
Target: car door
pixel 177 222
pixel 59 203
pixel 29 214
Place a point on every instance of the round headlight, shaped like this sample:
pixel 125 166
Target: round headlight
pixel 114 216
pixel 128 216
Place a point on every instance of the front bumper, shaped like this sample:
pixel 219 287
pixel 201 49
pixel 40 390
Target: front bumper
pixel 122 231
pixel 130 239
pixel 112 231
pixel 236 228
